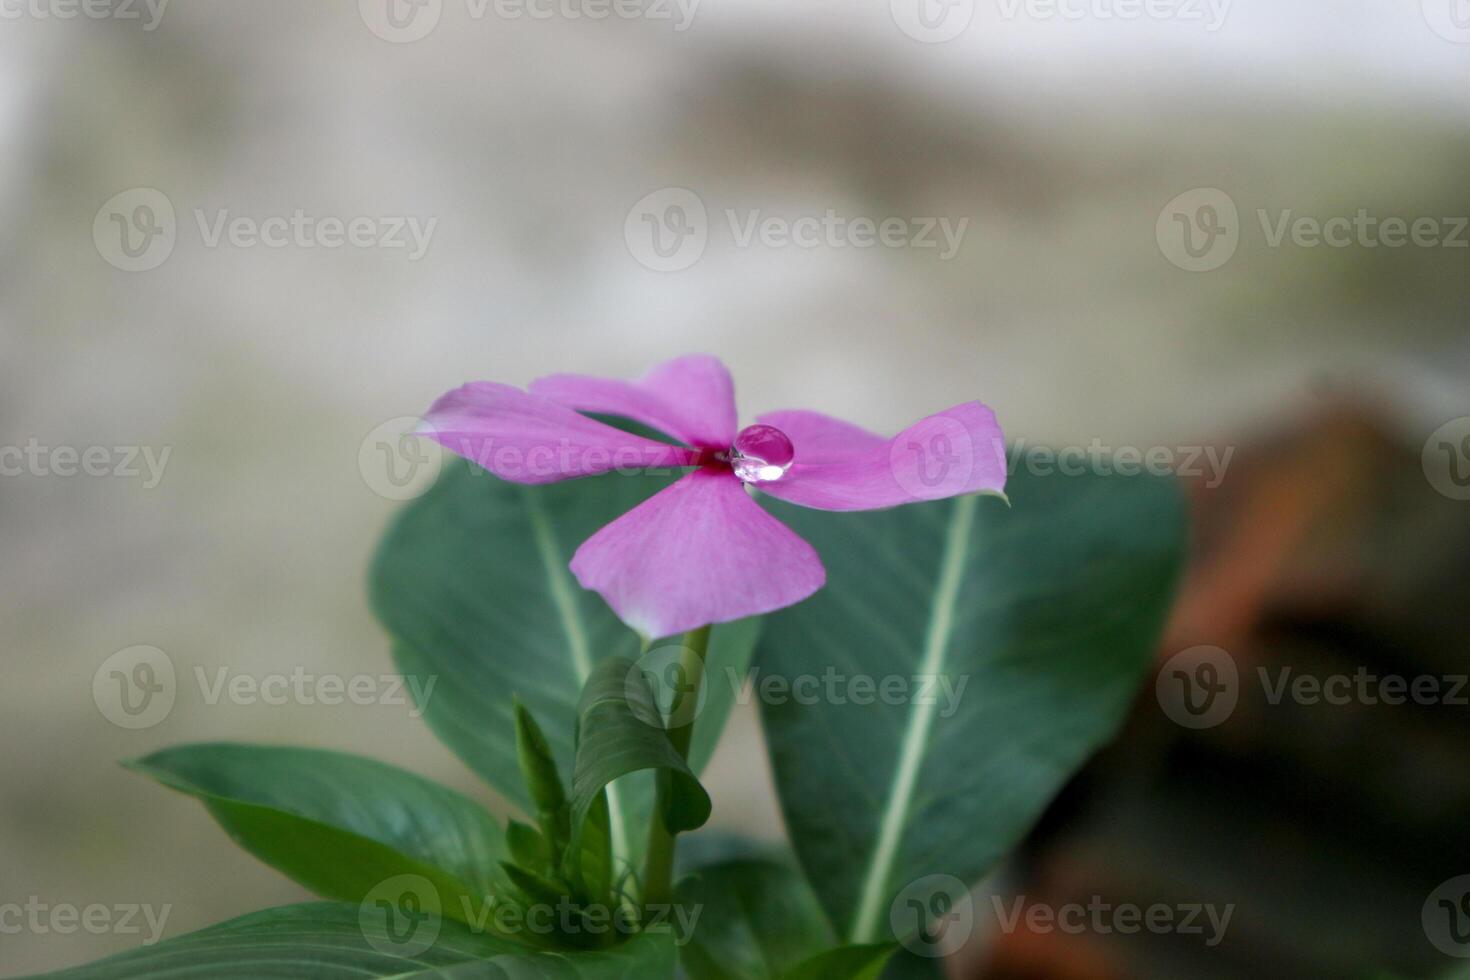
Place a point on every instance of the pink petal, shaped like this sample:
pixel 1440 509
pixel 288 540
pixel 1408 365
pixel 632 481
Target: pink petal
pixel 820 438
pixel 842 467
pixel 528 439
pixel 691 398
pixel 701 551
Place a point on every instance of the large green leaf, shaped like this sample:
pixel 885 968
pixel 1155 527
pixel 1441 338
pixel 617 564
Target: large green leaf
pixel 472 582
pixel 1047 612
pixel 758 920
pixel 619 732
pixel 864 962
pixel 331 941
pixel 340 824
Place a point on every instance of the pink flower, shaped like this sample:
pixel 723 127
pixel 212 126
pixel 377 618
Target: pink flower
pixel 702 550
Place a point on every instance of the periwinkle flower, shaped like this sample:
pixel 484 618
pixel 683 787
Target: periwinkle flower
pixel 702 550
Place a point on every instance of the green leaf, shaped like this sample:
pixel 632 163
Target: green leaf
pixel 845 963
pixel 619 732
pixel 339 824
pixel 549 796
pixel 345 942
pixel 759 919
pixel 598 874
pixel 472 582
pixel 533 886
pixel 527 847
pixel 1046 611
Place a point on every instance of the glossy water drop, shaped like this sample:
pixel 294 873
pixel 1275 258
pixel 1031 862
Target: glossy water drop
pixel 761 454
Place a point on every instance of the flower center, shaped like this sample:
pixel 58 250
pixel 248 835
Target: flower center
pixel 761 454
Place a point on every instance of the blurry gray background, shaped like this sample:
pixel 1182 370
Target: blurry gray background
pixel 529 141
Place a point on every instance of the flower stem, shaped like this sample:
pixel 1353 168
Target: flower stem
pixel 659 874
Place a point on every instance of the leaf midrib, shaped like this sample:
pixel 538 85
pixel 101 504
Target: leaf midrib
pixel 921 721
pixel 565 600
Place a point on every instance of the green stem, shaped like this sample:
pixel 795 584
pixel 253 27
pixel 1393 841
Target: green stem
pixel 659 873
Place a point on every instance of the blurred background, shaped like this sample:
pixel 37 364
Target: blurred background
pixel 240 242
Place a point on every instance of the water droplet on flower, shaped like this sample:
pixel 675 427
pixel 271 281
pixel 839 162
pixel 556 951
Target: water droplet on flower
pixel 761 454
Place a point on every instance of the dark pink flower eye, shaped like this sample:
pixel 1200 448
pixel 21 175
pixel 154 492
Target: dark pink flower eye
pixel 761 454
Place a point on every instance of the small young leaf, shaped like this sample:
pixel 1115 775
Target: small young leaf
pixel 543 782
pixel 596 880
pixel 619 731
pixel 534 887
